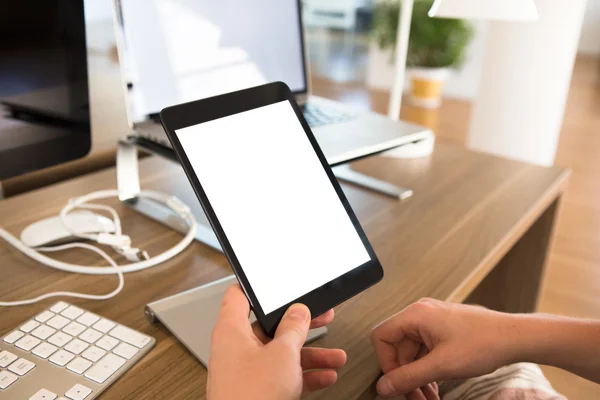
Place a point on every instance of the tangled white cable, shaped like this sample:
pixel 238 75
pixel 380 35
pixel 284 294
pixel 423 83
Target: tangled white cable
pixel 118 241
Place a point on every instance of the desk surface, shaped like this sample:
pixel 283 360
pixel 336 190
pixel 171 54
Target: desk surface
pixel 468 211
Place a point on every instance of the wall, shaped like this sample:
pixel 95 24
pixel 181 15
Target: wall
pixel 589 43
pixel 465 83
pixel 524 84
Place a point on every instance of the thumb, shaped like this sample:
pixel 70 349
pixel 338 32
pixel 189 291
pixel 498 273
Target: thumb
pixel 409 377
pixel 294 325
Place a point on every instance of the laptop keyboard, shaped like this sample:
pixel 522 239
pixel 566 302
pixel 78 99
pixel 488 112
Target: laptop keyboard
pixel 317 115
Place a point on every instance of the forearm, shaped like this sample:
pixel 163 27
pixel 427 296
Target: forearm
pixel 567 343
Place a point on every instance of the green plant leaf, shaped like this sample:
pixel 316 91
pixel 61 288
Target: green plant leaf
pixel 433 43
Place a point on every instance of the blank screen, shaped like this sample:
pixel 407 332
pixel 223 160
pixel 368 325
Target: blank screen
pixel 275 202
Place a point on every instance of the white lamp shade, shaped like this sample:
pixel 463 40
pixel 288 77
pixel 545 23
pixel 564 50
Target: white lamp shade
pixel 504 10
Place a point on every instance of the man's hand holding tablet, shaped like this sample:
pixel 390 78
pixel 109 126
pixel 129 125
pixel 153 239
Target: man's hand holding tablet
pixel 246 364
pixel 280 215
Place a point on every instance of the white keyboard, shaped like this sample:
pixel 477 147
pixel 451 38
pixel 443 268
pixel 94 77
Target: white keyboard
pixel 65 353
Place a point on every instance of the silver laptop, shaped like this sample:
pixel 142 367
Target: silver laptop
pixel 174 51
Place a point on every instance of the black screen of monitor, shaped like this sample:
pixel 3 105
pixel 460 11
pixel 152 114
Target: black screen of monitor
pixel 44 103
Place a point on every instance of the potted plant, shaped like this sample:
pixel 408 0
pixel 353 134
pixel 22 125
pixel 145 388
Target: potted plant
pixel 436 46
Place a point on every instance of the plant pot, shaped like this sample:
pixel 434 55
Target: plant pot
pixel 426 86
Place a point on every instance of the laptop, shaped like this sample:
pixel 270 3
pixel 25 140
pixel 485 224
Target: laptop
pixel 175 51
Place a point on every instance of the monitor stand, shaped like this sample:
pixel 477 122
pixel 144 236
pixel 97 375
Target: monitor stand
pixel 345 173
pixel 128 183
pixel 191 316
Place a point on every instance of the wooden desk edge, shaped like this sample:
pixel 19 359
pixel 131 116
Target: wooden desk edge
pixel 508 241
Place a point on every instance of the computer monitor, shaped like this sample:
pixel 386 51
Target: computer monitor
pixel 44 102
pixel 184 50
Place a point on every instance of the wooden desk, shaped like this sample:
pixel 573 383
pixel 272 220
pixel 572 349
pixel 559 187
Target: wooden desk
pixel 477 229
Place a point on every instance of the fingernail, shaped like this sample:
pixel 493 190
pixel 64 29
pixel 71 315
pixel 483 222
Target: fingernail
pixel 298 312
pixel 385 387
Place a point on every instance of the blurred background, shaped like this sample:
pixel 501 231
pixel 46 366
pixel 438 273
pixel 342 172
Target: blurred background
pixel 350 46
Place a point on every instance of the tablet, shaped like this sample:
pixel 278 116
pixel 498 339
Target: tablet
pixel 277 210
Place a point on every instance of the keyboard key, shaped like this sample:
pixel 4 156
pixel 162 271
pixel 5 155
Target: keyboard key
pixel 78 392
pixel 72 312
pixel 74 329
pixel 43 332
pixel 58 307
pixel 107 343
pixel 59 339
pixel 44 350
pixel 45 316
pixel 13 337
pixel 105 368
pixel 27 343
pixel 72 338
pixel 130 336
pixel 94 354
pixel 61 358
pixel 79 365
pixel 90 336
pixel 43 394
pixel 29 326
pixel 125 350
pixel 88 319
pixel 21 366
pixel 7 379
pixel 104 325
pixel 6 358
pixel 58 322
pixel 76 346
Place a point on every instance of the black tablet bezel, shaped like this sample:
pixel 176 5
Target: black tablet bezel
pixel 197 112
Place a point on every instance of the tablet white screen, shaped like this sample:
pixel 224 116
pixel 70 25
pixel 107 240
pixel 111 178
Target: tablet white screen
pixel 276 205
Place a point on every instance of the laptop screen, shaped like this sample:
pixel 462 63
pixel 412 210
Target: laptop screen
pixel 174 51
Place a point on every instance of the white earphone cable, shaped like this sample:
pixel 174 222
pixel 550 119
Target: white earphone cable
pixel 172 202
pixel 73 294
pixel 95 270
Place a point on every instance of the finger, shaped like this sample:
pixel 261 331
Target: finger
pixel 322 320
pixel 397 327
pixel 234 311
pixel 235 304
pixel 259 333
pixel 294 325
pixel 430 392
pixel 317 358
pixel 407 351
pixel 387 354
pixel 411 376
pixel 392 356
pixel 392 332
pixel 317 380
pixel 436 387
pixel 415 395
